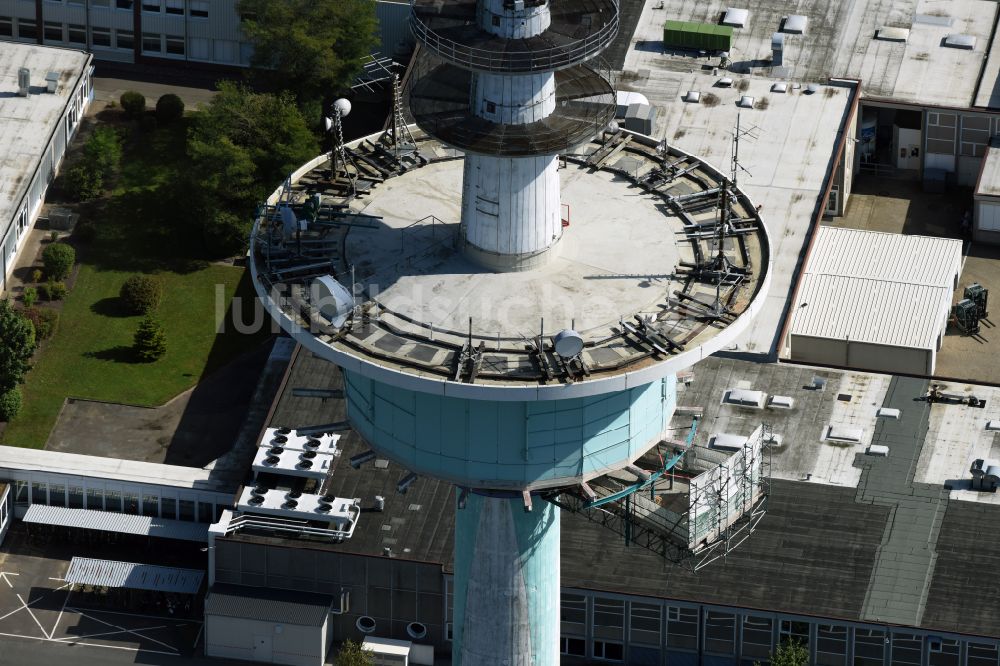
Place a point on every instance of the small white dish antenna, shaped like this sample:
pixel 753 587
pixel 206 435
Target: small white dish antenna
pixel 343 106
pixel 328 124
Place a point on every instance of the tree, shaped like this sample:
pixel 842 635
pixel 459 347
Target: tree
pixel 141 294
pixel 150 342
pixel 10 404
pixel 58 259
pixel 169 108
pixel 790 653
pixel 351 654
pixel 134 103
pixel 17 344
pixel 313 48
pixel 103 151
pixel 241 147
pixel 83 183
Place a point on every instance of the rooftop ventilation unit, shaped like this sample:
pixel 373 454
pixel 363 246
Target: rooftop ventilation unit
pixel 736 17
pixel 51 81
pixel 724 441
pixel 744 398
pixel 725 82
pixel 779 87
pixel 746 102
pixel 888 413
pixel 967 42
pixel 795 24
pixel 777 49
pixel 887 34
pixel 812 89
pixel 781 402
pixel 306 464
pixel 692 96
pixel 24 82
pixel 289 440
pixel 843 434
pixel 985 474
pixel 341 513
pixel 880 450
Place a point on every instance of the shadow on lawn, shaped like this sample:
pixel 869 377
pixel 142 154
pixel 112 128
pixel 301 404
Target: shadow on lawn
pixel 119 354
pixel 111 306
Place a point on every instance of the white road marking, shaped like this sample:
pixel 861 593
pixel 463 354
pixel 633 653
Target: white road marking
pixel 25 605
pixel 198 637
pixel 69 639
pixel 59 617
pixel 135 633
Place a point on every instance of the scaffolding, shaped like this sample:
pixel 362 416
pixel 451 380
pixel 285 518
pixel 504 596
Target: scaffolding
pixel 702 504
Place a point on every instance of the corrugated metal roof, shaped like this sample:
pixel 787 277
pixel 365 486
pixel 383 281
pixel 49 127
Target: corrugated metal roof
pixel 110 573
pixel 875 255
pixel 874 311
pixel 120 523
pixel 268 605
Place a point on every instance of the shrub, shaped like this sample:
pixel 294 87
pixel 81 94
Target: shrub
pixel 30 296
pixel 45 321
pixel 169 108
pixel 150 342
pixel 103 151
pixel 133 102
pixel 147 124
pixel 58 259
pixel 85 230
pixel 10 404
pixel 141 294
pixel 36 275
pixel 351 654
pixel 52 290
pixel 83 183
pixel 53 236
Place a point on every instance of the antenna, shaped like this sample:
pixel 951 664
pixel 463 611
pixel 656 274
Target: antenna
pixel 339 157
pixel 397 135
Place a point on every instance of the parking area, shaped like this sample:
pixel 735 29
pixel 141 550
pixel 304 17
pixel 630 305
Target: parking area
pixel 41 616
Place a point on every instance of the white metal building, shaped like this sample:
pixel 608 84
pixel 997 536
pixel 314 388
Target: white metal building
pixel 34 133
pixel 986 221
pixel 875 301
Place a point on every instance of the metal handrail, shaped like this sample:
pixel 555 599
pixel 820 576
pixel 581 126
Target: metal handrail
pixel 540 60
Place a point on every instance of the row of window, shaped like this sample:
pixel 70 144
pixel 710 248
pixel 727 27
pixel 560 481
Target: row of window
pixel 119 501
pixel 195 8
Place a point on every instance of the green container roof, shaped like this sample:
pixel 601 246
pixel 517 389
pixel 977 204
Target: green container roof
pixel 702 28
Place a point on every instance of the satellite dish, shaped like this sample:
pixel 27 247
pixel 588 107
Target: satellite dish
pixel 613 127
pixel 568 343
pixel 343 106
pixel 328 124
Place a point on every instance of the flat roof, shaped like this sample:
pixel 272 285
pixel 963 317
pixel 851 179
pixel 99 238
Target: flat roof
pixel 119 523
pixel 840 42
pixel 988 184
pixel 266 604
pixel 826 546
pixel 27 123
pixel 875 287
pixel 134 471
pixel 133 576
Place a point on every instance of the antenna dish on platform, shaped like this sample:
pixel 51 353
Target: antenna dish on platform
pixel 328 124
pixel 343 106
pixel 568 343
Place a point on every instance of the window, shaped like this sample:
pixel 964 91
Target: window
pixel 21 493
pixel 609 618
pixel 95 499
pixel 793 630
pixel 151 42
pixel 27 29
pixel 198 48
pixel 609 651
pixel 100 3
pixel 869 647
pixel 682 628
pixel 151 6
pixel 942 652
pixel 199 8
pixel 131 503
pixel 124 4
pixel 205 512
pixel 831 645
pixel 573 614
pixel 906 649
pixel 168 508
pixel 6 26
pixel 720 632
pixel 576 647
pixel 150 505
pixel 757 632
pixel 100 36
pixel 77 33
pixel 175 7
pixel 175 45
pixel 53 31
pixel 125 39
pixel 644 624
pixel 113 501
pixel 57 495
pixel 982 654
pixel 75 499
pixel 39 493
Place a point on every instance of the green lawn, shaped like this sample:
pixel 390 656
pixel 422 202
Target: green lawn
pixel 90 355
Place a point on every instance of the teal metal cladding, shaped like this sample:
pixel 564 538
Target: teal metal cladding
pixel 482 443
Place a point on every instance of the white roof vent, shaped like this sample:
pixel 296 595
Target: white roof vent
pixel 960 42
pixel 51 81
pixel 888 34
pixel 23 81
pixel 795 24
pixel 725 82
pixel 812 88
pixel 880 450
pixel 736 17
pixel 744 398
pixel 993 425
pixel 843 434
pixel 692 96
pixel 746 102
pixel 781 402
pixel 726 442
pixel 888 413
pixel 779 87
